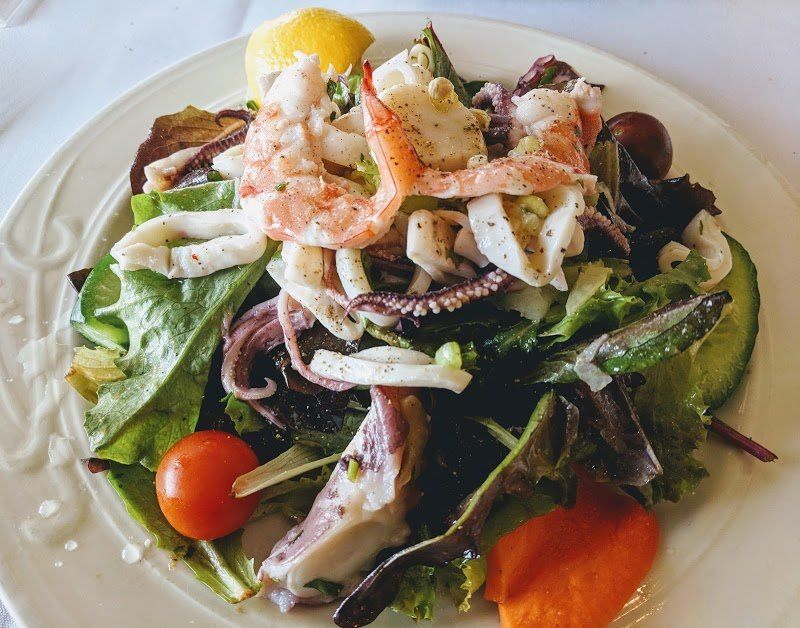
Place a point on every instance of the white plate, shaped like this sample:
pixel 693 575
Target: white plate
pixel 730 555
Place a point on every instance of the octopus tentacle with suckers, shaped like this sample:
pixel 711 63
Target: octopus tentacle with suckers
pixel 591 219
pixel 206 153
pixel 448 298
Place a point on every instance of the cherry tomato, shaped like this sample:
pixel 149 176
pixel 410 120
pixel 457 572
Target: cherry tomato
pixel 647 141
pixel 193 484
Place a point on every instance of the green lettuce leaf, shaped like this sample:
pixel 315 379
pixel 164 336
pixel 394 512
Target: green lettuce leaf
pixel 522 337
pixel 293 498
pixel 682 281
pixel 221 565
pixel 604 296
pixel 462 578
pixel 346 92
pixel 91 368
pixel 326 587
pixel 174 328
pixel 417 593
pixel 100 290
pixel 367 174
pixel 605 309
pixel 198 198
pixel 441 65
pixel 639 345
pixel 245 419
pixel 671 410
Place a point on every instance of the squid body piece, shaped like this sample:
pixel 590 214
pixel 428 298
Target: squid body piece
pixel 355 515
pixel 705 236
pixel 496 240
pixel 231 239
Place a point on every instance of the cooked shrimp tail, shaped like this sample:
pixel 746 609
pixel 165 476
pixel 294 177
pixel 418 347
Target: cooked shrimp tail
pixel 395 156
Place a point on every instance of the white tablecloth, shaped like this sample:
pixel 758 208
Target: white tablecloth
pixel 62 61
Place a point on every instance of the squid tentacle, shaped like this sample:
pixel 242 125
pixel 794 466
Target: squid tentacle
pixel 591 219
pixel 448 298
pixel 207 152
pixel 241 114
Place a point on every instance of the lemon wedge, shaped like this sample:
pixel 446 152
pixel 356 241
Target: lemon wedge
pixel 337 39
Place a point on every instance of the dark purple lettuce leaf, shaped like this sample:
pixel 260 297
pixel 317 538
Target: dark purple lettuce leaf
pixel 623 454
pixel 736 439
pixel 660 210
pixel 538 454
pixel 682 194
pixel 78 277
pixel 173 132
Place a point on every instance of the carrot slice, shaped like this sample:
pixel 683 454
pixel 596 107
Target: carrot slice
pixel 573 567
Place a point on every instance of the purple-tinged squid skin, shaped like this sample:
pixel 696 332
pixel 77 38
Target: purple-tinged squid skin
pixel 207 152
pixel 591 219
pixel 448 298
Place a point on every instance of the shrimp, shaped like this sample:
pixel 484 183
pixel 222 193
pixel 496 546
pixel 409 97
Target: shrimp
pixel 285 186
pixel 564 124
pixel 589 106
pixel 516 175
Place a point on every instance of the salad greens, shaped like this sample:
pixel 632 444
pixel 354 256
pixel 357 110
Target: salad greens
pixel 92 368
pixel 673 415
pixel 152 395
pixel 615 369
pixel 99 290
pixel 416 594
pixel 171 133
pixel 198 198
pixel 440 64
pixel 345 93
pixel 245 419
pixel 532 460
pixel 221 565
pixel 656 337
pixel 175 328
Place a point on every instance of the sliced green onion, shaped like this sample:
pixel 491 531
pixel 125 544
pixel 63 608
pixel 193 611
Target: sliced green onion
pixel 386 335
pixel 533 204
pixel 449 354
pixel 526 146
pixel 352 469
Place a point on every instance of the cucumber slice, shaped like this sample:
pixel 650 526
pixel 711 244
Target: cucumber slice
pixel 721 360
pixel 100 289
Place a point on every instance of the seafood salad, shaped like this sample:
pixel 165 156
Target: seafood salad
pixel 454 337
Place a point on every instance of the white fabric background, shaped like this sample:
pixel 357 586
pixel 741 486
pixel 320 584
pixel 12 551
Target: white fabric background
pixel 61 61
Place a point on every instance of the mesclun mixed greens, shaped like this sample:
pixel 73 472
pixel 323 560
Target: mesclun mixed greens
pixel 614 377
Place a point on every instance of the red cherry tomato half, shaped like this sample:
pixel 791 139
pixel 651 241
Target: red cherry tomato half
pixel 193 484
